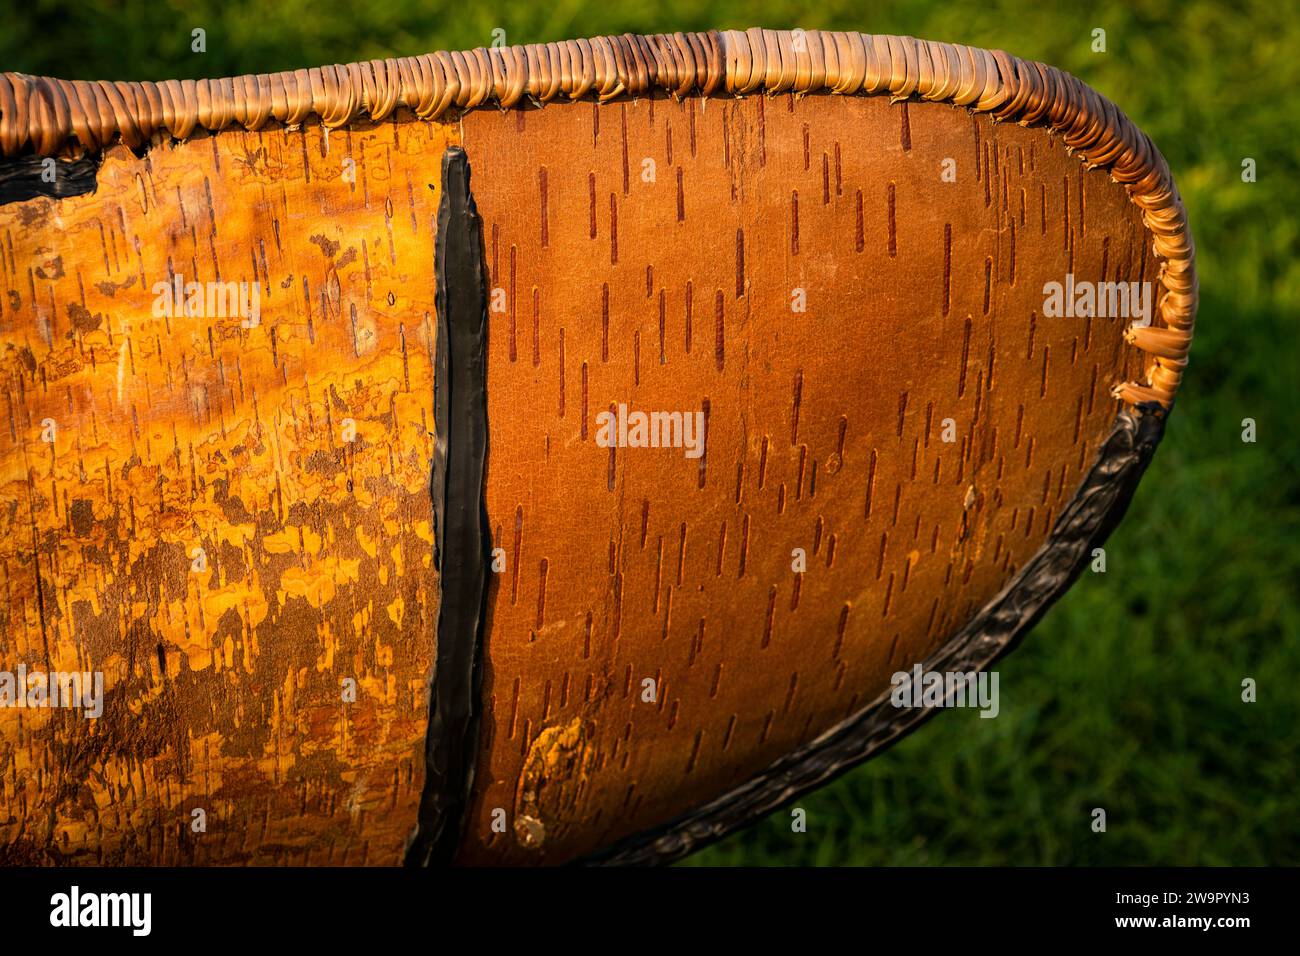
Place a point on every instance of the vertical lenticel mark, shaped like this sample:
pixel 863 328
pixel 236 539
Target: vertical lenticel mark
pixel 545 211
pixel 947 267
pixel 719 345
pixel 740 263
pixel 893 226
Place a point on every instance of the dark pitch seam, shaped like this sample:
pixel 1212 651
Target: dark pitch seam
pixel 461 534
pixel 24 179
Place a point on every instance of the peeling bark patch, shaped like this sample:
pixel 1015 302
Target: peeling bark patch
pixel 461 535
pixel 554 771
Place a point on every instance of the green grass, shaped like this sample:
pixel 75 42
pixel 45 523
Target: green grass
pixel 1127 695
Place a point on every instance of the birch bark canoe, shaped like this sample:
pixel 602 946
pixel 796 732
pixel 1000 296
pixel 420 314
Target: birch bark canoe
pixel 834 247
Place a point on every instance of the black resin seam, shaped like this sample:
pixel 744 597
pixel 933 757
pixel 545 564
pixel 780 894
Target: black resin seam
pixel 461 535
pixel 31 177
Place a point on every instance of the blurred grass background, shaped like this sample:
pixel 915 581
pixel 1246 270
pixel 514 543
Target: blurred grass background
pixel 1128 695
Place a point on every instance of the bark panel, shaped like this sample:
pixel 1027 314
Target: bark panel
pixel 292 455
pixel 651 253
